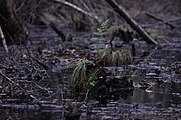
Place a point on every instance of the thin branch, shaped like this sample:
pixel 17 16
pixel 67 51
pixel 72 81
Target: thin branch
pixel 160 23
pixel 159 19
pixel 37 85
pixel 86 96
pixel 78 9
pixel 7 78
pixel 3 40
pixel 39 62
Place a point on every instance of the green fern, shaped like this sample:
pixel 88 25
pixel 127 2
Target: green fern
pixel 102 28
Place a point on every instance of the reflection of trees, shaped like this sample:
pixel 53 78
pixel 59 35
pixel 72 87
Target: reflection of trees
pixel 16 114
pixel 161 96
pixel 114 89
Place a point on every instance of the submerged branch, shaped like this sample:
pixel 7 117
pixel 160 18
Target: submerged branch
pixel 33 107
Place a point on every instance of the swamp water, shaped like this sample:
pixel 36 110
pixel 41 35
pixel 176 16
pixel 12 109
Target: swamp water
pixel 160 101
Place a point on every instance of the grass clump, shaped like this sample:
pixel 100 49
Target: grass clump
pixel 87 74
pixel 84 75
pixel 79 73
pixel 114 57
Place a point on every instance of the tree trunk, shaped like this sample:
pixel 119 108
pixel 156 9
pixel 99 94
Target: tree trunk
pixel 122 12
pixel 10 24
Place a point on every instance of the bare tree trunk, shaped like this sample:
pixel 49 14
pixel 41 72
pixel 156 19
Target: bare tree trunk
pixel 122 12
pixel 10 24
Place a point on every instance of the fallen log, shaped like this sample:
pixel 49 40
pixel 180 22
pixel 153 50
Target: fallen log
pixel 122 12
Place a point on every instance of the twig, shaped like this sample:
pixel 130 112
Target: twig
pixel 84 4
pixel 173 19
pixel 159 19
pixel 79 9
pixel 3 40
pixel 86 96
pixel 7 78
pixel 160 23
pixel 39 62
pixel 40 87
pixel 3 66
pixel 122 12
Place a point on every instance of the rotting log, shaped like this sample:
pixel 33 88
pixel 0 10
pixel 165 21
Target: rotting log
pixel 122 12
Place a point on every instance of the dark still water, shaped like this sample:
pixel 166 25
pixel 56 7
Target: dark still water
pixel 159 100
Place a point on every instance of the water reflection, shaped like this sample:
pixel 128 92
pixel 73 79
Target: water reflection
pixel 112 100
pixel 22 114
